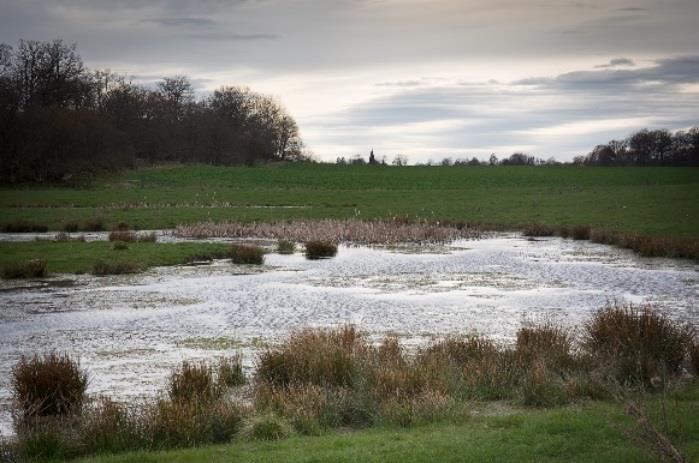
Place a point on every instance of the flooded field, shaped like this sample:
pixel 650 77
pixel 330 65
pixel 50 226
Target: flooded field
pixel 129 331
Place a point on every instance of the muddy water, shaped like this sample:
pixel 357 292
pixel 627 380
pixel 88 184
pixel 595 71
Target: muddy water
pixel 129 331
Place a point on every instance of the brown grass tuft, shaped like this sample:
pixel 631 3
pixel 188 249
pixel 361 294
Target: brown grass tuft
pixel 48 385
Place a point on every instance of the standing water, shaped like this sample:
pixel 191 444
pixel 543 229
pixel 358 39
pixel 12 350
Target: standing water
pixel 130 331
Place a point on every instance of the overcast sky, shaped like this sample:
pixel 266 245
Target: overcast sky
pixel 425 78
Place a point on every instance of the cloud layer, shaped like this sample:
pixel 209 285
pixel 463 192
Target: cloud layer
pixel 425 78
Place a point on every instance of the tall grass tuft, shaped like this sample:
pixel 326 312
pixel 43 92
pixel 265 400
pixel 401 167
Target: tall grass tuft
pixel 320 250
pixel 286 247
pixel 640 345
pixel 229 371
pixel 48 385
pixel 34 268
pixel 241 254
pixel 193 382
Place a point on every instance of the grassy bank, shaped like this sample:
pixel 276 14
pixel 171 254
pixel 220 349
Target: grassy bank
pixel 584 433
pixel 629 379
pixel 644 200
pixel 81 257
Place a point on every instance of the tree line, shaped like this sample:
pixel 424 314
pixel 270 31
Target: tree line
pixel 59 119
pixel 642 148
pixel 647 148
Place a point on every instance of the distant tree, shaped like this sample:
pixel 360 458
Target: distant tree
pixel 446 162
pixel 372 158
pixel 493 160
pixel 474 162
pixel 357 160
pixel 341 160
pixel 519 159
pixel 400 160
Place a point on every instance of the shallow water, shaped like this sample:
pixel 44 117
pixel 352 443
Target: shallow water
pixel 129 331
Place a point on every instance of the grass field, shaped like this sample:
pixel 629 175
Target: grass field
pixel 645 200
pixel 78 257
pixel 588 432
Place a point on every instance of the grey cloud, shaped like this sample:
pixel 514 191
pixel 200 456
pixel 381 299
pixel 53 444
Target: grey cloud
pixel 678 70
pixel 616 62
pixel 179 22
pixel 232 36
pixel 402 83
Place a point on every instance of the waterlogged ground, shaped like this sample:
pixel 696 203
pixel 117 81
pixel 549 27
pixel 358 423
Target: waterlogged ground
pixel 129 331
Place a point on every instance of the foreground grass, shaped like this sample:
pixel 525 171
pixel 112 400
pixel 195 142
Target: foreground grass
pixel 589 432
pixel 643 200
pixel 79 257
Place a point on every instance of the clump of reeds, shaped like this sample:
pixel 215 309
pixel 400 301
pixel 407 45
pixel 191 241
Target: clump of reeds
pixel 639 344
pixel 548 342
pixel 193 381
pixel 33 268
pixel 102 267
pixel 320 357
pixel 243 254
pixel 94 224
pixel 229 371
pixel 24 226
pixel 334 231
pixel 48 385
pixel 286 247
pixel 320 250
pixel 538 229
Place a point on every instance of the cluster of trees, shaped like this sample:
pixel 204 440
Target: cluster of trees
pixel 58 118
pixel 642 148
pixel 647 148
pixel 516 159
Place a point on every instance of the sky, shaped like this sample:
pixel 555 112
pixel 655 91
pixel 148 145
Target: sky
pixel 427 79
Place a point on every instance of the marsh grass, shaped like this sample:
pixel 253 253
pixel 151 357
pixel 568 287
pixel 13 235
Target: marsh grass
pixel 33 268
pixel 390 231
pixel 317 379
pixel 320 250
pixel 48 385
pixel 286 247
pixel 124 267
pixel 640 344
pixel 247 255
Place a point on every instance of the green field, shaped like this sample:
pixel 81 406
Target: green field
pixel 587 432
pixel 78 257
pixel 647 200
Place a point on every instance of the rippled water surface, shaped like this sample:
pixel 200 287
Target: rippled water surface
pixel 129 331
